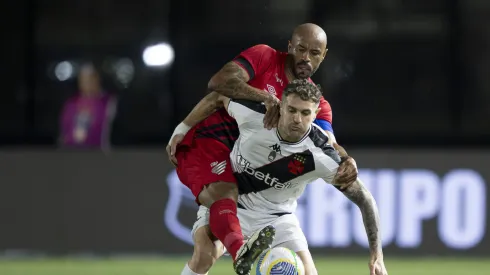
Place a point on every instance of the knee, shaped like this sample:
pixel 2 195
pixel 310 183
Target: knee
pixel 202 261
pixel 206 251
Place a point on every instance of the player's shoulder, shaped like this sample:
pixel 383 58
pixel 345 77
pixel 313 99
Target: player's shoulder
pixel 319 139
pixel 325 105
pixel 318 136
pixel 263 50
pixel 255 106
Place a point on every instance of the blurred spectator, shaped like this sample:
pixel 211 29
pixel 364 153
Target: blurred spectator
pixel 86 119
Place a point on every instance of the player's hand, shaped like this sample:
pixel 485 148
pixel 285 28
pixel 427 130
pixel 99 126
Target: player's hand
pixel 172 148
pixel 377 265
pixel 346 174
pixel 271 117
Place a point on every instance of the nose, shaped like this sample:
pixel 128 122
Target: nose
pixel 306 56
pixel 297 118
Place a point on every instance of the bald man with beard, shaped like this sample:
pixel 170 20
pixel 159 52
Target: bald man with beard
pixel 200 146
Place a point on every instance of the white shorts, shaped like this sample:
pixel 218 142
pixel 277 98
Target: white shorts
pixel 288 231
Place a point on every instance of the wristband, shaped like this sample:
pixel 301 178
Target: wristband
pixel 181 129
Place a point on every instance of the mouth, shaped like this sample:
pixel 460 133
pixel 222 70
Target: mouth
pixel 304 67
pixel 295 128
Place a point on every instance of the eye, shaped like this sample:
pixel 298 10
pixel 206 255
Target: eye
pixel 306 113
pixel 302 50
pixel 292 111
pixel 315 53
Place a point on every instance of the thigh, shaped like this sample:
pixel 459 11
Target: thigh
pixel 203 162
pixel 288 230
pixel 287 227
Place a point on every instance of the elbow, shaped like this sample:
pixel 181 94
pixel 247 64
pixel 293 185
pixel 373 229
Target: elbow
pixel 214 99
pixel 212 85
pixel 222 83
pixel 215 82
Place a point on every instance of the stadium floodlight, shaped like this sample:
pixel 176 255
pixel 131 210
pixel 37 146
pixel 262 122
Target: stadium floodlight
pixel 64 70
pixel 159 55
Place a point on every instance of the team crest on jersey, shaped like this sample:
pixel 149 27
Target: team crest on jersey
pixel 218 168
pixel 270 89
pixel 297 165
pixel 272 156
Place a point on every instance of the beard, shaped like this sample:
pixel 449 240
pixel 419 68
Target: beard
pixel 302 73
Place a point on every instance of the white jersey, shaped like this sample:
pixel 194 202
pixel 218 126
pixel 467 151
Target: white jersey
pixel 273 173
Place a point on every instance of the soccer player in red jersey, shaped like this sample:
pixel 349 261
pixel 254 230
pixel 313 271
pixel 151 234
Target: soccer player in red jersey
pixel 201 149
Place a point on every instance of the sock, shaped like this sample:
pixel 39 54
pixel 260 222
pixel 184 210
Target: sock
pixel 187 271
pixel 224 224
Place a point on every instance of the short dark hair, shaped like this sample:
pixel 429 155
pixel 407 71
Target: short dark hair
pixel 304 89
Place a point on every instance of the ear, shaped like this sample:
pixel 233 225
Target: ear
pixel 324 54
pixel 290 46
pixel 317 110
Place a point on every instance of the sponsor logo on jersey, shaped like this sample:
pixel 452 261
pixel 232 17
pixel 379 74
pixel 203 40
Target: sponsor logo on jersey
pixel 278 79
pixel 266 178
pixel 276 148
pixel 276 174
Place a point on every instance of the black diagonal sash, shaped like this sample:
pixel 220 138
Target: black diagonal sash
pixel 277 174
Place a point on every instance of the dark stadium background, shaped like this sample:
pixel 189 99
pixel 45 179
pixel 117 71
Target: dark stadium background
pixel 407 81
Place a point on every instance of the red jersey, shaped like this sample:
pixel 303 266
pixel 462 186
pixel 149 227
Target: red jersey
pixel 265 67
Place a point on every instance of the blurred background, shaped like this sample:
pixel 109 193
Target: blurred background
pixel 407 81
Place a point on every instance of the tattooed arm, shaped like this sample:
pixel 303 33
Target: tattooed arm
pixel 347 172
pixel 231 81
pixel 208 105
pixel 359 195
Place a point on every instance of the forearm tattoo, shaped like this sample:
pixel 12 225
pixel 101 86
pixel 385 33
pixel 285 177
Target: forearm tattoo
pixel 359 195
pixel 235 85
pixel 203 109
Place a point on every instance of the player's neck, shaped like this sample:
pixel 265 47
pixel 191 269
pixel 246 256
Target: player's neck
pixel 289 67
pixel 286 138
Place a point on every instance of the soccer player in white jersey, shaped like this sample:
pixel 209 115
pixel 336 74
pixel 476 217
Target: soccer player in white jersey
pixel 274 166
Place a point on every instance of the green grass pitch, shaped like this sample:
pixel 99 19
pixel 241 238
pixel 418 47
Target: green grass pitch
pixel 171 266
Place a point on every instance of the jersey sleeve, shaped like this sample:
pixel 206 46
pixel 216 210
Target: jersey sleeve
pixel 325 125
pixel 331 162
pixel 331 166
pixel 325 112
pixel 248 114
pixel 255 60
